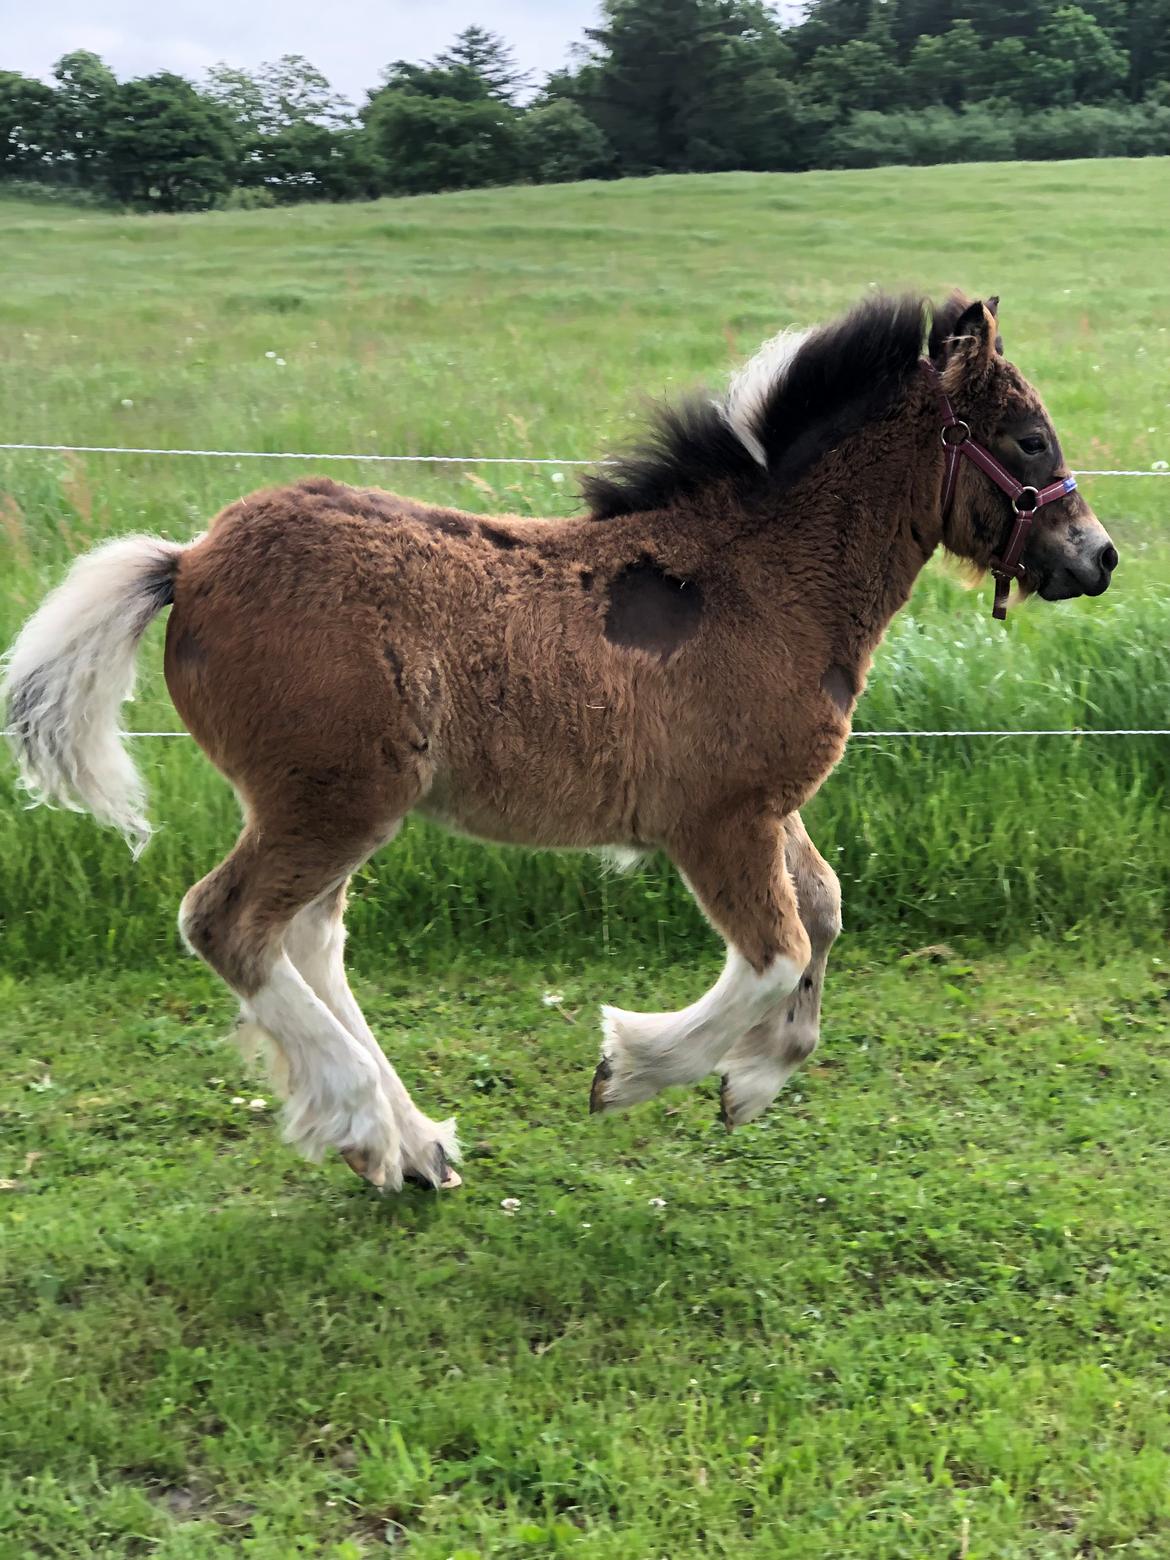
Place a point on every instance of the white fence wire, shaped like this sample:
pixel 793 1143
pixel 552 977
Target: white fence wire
pixel 882 736
pixel 1159 469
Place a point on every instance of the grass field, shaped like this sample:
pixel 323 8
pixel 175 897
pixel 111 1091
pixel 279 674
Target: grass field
pixel 919 1313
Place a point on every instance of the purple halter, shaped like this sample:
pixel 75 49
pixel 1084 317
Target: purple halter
pixel 1026 500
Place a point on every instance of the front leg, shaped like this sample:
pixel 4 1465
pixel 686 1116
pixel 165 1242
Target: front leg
pixel 757 1067
pixel 734 866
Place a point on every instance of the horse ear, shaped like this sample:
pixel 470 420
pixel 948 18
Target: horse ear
pixel 974 333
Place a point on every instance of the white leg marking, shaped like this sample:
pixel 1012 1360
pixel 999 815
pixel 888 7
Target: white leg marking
pixel 646 1052
pixel 336 1098
pixel 316 944
pixel 761 1063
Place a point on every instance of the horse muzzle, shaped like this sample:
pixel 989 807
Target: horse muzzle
pixel 1081 574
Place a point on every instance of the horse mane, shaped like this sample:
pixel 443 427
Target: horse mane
pixel 798 398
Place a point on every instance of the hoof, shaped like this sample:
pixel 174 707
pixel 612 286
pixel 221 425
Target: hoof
pixel 443 1178
pixel 601 1076
pixel 362 1165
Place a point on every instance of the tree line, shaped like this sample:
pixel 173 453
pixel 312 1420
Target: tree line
pixel 657 86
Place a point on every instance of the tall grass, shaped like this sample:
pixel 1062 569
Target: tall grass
pixel 527 322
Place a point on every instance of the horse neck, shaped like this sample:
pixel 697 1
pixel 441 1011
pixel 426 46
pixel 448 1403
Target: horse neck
pixel 864 521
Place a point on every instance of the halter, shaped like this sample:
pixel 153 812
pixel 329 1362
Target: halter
pixel 1026 500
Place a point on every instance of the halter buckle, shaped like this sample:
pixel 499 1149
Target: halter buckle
pixel 962 434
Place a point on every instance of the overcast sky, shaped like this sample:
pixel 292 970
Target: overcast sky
pixel 350 40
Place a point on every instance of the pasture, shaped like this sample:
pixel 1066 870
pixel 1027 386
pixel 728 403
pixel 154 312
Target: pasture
pixel 919 1311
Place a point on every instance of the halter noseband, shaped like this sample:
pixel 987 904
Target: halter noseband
pixel 1026 500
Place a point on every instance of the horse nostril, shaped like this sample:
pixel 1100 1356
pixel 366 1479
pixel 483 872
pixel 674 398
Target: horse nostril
pixel 1108 558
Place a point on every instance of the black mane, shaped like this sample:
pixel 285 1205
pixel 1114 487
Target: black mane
pixel 847 373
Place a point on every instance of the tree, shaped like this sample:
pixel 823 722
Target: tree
pixel 166 147
pixel 666 79
pixel 755 114
pixel 441 143
pixel 479 65
pixel 485 55
pixel 294 133
pixel 87 90
pixel 558 142
pixel 860 74
pixel 1083 63
pixel 1147 41
pixel 28 129
pixel 948 67
pixel 285 92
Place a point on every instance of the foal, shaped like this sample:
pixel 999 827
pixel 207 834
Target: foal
pixel 676 670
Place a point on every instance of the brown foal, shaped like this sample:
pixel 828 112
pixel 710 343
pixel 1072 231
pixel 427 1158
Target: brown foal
pixel 676 670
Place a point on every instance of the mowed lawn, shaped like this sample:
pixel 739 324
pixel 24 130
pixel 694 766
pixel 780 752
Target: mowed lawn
pixel 921 1310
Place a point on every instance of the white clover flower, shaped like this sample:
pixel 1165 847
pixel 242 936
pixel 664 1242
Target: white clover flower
pixel 257 1104
pixel 558 476
pixel 657 1202
pixel 270 354
pixel 510 1204
pixel 126 401
pixel 553 998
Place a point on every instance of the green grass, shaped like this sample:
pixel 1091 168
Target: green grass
pixel 927 1296
pixel 537 321
pixel 919 1312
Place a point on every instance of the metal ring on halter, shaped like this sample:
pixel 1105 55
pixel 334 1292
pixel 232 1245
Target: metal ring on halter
pixel 1026 501
pixel 959 428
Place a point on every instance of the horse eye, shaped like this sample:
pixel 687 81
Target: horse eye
pixel 1033 444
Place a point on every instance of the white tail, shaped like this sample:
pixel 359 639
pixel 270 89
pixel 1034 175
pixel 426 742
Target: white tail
pixel 71 668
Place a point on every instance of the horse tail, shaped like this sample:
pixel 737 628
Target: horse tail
pixel 70 669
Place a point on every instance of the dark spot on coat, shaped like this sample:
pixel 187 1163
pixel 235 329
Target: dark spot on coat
pixel 807 983
pixel 791 1015
pixel 651 610
pixel 586 579
pixel 839 685
pixel 498 538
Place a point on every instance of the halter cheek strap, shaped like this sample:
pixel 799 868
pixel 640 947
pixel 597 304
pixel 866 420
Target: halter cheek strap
pixel 958 443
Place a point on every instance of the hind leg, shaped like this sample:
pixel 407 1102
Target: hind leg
pixel 757 1067
pixel 236 919
pixel 315 942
